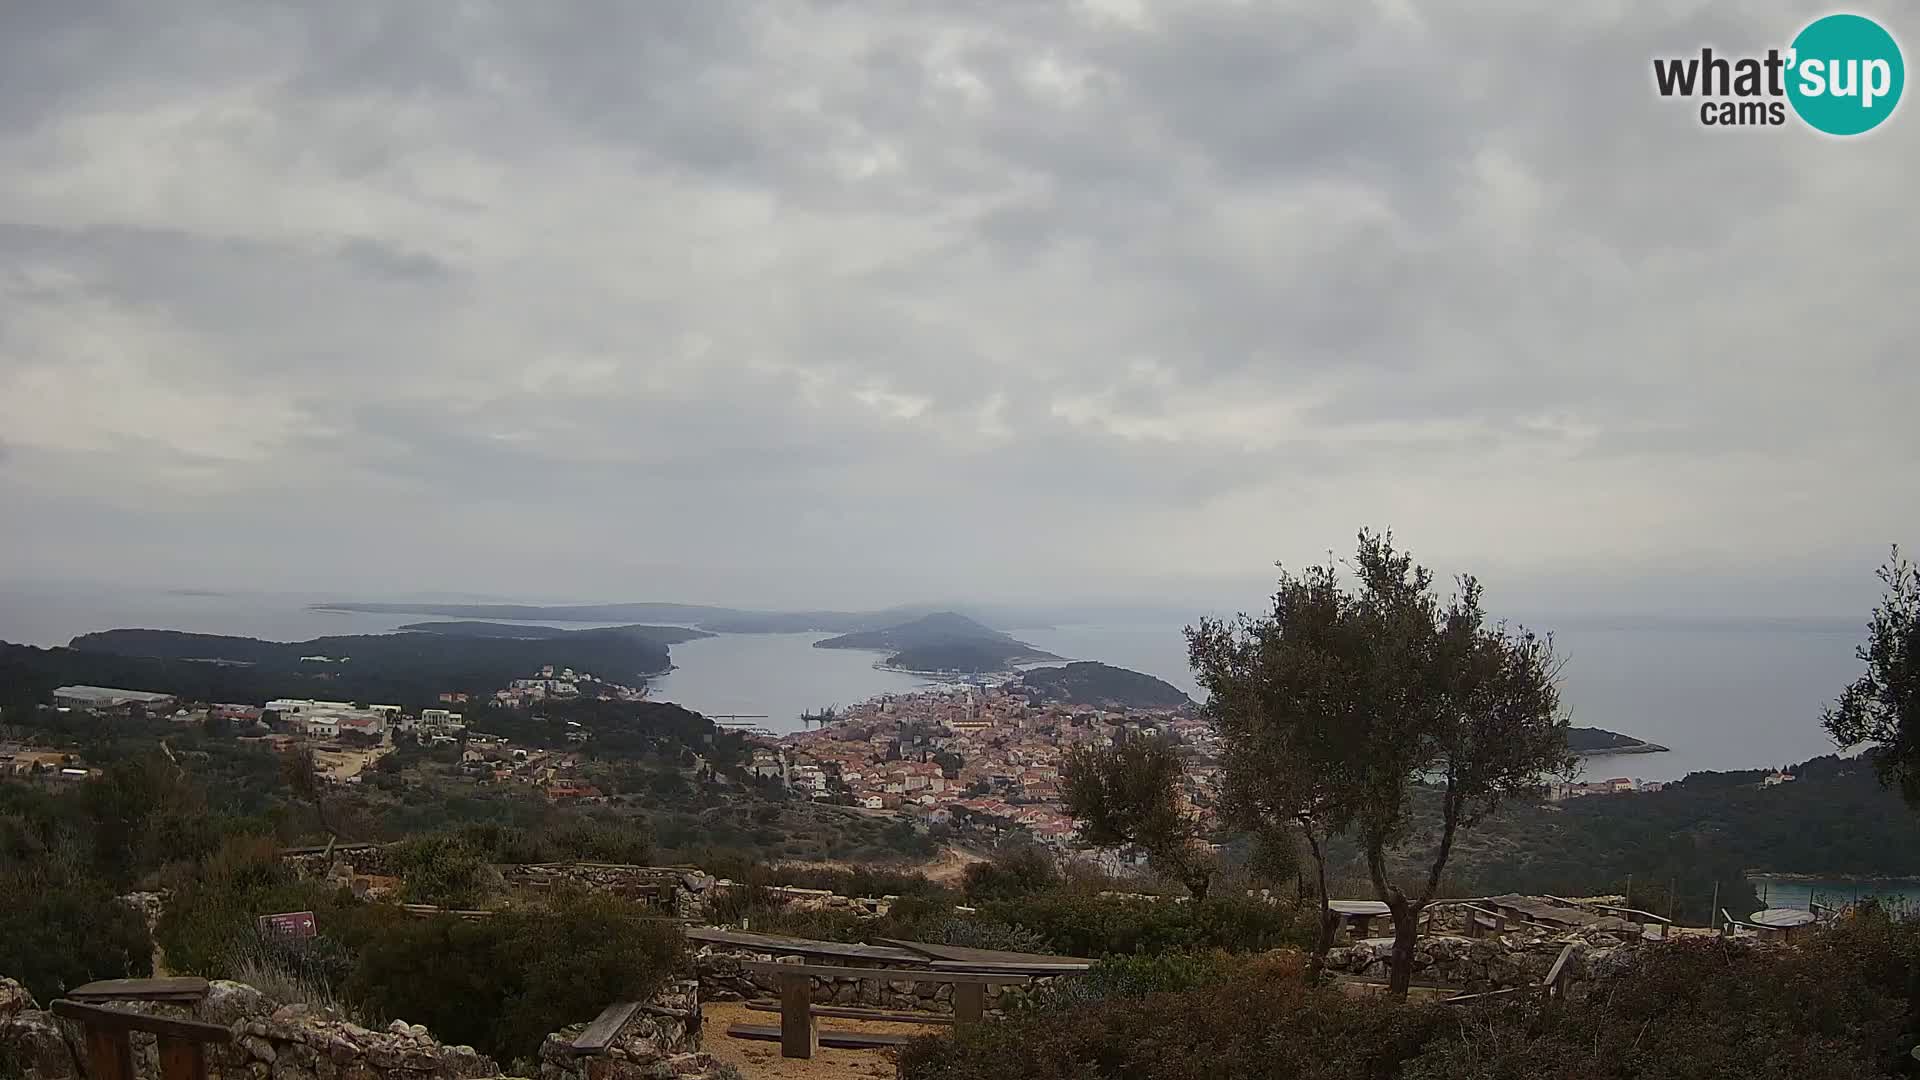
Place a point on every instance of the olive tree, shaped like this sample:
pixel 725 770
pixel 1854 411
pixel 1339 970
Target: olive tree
pixel 1344 703
pixel 1130 796
pixel 1286 745
pixel 1882 707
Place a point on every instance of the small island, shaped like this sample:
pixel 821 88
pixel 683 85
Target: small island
pixel 943 643
pixel 1085 682
pixel 1597 742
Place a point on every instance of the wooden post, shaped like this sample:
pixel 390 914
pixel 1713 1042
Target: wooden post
pixel 181 1059
pixel 1716 903
pixel 109 1054
pixel 969 1004
pixel 799 1033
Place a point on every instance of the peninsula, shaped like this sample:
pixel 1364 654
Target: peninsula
pixel 1598 742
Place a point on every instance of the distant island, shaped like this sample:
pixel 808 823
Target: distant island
pixel 718 620
pixel 663 635
pixel 409 669
pixel 1596 742
pixel 1085 682
pixel 944 642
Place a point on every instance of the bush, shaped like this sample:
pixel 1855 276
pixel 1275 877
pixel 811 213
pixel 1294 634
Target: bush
pixel 1016 870
pixel 210 926
pixel 444 870
pixel 1836 1008
pixel 1082 925
pixel 1132 977
pixel 57 933
pixel 501 984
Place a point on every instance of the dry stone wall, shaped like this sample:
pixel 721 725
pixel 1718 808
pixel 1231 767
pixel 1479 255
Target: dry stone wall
pixel 303 1042
pixel 724 977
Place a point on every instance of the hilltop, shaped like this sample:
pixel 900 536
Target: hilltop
pixel 940 642
pixel 404 668
pixel 1597 741
pixel 1085 682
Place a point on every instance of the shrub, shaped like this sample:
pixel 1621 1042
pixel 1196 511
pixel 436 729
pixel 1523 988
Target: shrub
pixel 1135 976
pixel 210 924
pixel 1836 1008
pixel 58 932
pixel 1082 925
pixel 501 984
pixel 444 870
pixel 1016 870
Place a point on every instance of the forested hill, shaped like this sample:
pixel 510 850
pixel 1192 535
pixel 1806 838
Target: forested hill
pixel 942 641
pixel 1085 682
pixel 1589 740
pixel 409 669
pixel 1834 820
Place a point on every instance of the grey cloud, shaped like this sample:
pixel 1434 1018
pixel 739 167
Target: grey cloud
pixel 848 291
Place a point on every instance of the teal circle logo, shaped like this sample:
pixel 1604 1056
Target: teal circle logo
pixel 1845 74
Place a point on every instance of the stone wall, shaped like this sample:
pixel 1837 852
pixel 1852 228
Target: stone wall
pixel 677 890
pixel 661 1041
pixel 303 1042
pixel 1494 962
pixel 723 977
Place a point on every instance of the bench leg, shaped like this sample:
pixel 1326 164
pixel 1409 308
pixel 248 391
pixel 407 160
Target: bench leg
pixel 799 1033
pixel 969 1004
pixel 181 1059
pixel 109 1055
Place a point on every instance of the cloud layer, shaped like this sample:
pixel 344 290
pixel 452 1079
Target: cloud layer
pixel 867 302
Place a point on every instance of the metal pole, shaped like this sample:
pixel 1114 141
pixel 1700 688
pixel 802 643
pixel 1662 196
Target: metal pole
pixel 1713 911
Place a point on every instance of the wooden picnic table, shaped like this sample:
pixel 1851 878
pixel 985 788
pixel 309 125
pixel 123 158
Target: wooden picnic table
pixel 1358 915
pixel 1782 921
pixel 800 1035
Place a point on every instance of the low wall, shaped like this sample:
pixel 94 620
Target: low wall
pixel 1495 962
pixel 302 1042
pixel 724 977
pixel 662 1040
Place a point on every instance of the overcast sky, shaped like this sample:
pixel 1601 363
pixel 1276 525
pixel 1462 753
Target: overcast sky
pixel 860 303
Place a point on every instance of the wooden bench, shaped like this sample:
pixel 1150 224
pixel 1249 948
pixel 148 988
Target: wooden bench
pixel 599 1034
pixel 849 1013
pixel 185 989
pixel 800 1035
pixel 181 1043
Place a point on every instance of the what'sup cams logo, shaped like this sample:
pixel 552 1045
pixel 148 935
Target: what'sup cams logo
pixel 1842 75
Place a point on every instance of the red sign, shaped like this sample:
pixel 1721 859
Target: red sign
pixel 293 924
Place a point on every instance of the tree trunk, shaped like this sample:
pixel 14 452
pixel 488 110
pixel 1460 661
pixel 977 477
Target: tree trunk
pixel 1406 931
pixel 1329 922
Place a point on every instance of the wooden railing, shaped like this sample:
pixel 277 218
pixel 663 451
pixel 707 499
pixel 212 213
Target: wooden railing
pixel 1549 988
pixel 182 1043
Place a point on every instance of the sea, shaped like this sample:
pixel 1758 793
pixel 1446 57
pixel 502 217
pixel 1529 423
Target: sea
pixel 1721 694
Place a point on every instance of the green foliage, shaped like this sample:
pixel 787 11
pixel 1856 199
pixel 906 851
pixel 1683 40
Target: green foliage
pixel 1838 1008
pixel 1129 796
pixel 444 870
pixel 1882 707
pixel 502 984
pixel 1017 869
pixel 1081 925
pixel 1339 704
pixel 57 932
pixel 1133 976
pixel 210 924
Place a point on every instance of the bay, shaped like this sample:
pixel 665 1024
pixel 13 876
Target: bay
pixel 1728 694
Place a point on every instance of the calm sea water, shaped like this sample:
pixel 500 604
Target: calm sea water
pixel 1724 696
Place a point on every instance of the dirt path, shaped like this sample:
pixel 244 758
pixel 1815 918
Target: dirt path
pixel 947 868
pixel 762 1061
